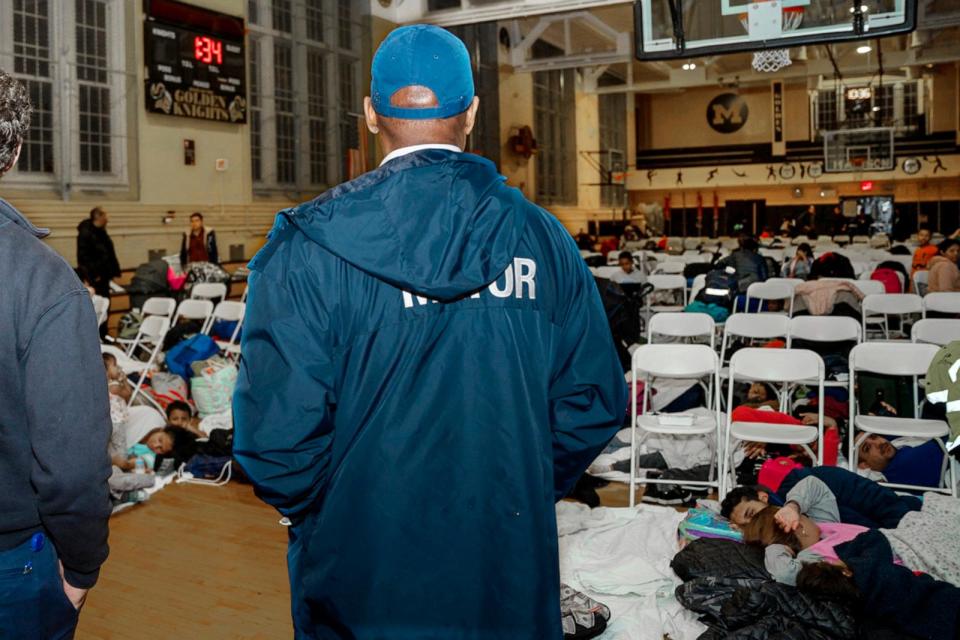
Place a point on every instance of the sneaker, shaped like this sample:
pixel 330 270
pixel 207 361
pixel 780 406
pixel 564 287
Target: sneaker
pixel 667 495
pixel 582 616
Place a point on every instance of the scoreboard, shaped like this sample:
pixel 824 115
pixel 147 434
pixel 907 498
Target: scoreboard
pixel 195 62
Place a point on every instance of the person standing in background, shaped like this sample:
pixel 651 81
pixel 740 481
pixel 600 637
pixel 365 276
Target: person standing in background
pixel 199 244
pixel 95 252
pixel 924 251
pixel 54 420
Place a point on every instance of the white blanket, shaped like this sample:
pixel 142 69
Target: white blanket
pixel 621 557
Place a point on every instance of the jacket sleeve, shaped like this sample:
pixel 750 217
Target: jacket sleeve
pixel 588 392
pixel 212 253
pixel 781 564
pixel 183 251
pixel 68 412
pixel 283 405
pixel 815 499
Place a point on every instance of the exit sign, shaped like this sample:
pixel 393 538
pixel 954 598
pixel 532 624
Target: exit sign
pixel 866 185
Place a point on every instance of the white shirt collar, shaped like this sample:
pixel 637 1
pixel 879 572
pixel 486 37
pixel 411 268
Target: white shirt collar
pixel 402 151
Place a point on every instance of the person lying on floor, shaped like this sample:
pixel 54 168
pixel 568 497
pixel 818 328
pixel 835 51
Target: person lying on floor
pixel 901 463
pixel 825 494
pixel 924 541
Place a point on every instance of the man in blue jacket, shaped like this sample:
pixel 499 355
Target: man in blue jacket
pixel 426 369
pixel 54 420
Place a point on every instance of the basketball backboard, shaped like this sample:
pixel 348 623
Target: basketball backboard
pixel 669 29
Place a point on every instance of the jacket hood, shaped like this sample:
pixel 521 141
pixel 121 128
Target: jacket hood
pixel 436 223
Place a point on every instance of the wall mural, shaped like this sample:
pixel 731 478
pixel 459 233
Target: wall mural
pixel 727 113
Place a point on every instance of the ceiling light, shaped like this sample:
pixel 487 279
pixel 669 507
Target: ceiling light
pixel 689 66
pixel 864 8
pixel 864 48
pixel 876 109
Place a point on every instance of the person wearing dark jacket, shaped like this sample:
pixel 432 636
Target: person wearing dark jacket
pixel 95 252
pixel 427 368
pixel 54 421
pixel 748 263
pixel 199 244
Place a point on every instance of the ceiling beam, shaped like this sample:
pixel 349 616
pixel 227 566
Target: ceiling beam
pixel 892 60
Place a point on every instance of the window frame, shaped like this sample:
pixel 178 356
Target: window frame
pixel 334 107
pixel 65 106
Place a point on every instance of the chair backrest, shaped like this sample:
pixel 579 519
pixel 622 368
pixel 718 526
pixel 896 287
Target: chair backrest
pixel 891 303
pixel 153 328
pixel 920 281
pixel 906 261
pixel 824 329
pixel 681 325
pixel 942 302
pixel 101 306
pixel 208 290
pixel 770 290
pixel 229 310
pixel 674 360
pixel 870 287
pixel 605 272
pixel 699 282
pixel 194 310
pixel 675 266
pixel 893 358
pixel 757 325
pixel 613 257
pixel 860 239
pixel 859 267
pixel 663 281
pixel 791 282
pixel 939 331
pixel 159 307
pixel 776 365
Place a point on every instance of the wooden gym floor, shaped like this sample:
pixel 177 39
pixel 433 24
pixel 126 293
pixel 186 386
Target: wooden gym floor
pixel 201 562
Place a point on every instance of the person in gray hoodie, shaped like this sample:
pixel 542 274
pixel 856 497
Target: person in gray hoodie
pixel 54 420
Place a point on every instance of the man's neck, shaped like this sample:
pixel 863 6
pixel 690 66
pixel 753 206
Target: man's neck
pixel 402 151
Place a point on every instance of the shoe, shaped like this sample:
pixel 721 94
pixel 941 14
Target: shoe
pixel 667 495
pixel 582 616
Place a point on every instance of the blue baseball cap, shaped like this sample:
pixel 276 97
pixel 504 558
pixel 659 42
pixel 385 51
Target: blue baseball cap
pixel 424 55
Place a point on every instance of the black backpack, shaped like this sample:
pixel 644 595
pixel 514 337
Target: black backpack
pixel 720 288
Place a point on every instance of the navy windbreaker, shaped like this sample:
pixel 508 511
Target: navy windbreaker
pixel 426 369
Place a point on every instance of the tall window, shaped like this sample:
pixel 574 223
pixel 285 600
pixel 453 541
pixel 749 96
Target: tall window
pixel 305 92
pixel 481 42
pixel 612 114
pixel 77 133
pixel 553 121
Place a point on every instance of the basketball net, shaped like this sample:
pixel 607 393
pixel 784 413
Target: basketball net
pixel 770 60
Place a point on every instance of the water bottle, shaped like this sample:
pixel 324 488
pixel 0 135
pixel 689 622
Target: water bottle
pixel 139 466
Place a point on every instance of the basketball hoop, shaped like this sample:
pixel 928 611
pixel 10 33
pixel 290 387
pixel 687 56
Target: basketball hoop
pixel 771 60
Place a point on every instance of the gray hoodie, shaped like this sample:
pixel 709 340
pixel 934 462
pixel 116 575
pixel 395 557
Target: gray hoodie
pixel 54 409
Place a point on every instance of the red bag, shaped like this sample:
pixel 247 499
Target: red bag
pixel 889 278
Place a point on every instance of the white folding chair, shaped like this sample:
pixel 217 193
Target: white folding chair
pixel 602 272
pixel 209 291
pixel 229 311
pixel 776 254
pixel 699 282
pixel 770 291
pixel 150 337
pixel 792 282
pixel 681 325
pixel 613 258
pixel 165 307
pixel 906 261
pixel 941 302
pixel 938 331
pixel 753 326
pixel 824 329
pixel 787 366
pixel 896 359
pixel 662 282
pixel 860 239
pixel 194 310
pixel 859 267
pixel 869 287
pixel 677 361
pixel 920 281
pixel 101 306
pixel 670 267
pixel 877 307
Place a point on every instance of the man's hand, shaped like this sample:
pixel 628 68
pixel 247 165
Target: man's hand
pixel 788 517
pixel 811 419
pixel 76 596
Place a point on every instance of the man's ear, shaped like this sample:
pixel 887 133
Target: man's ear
pixel 471 116
pixel 16 156
pixel 764 497
pixel 370 115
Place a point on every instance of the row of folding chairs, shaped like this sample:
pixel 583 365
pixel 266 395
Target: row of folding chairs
pixel 783 367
